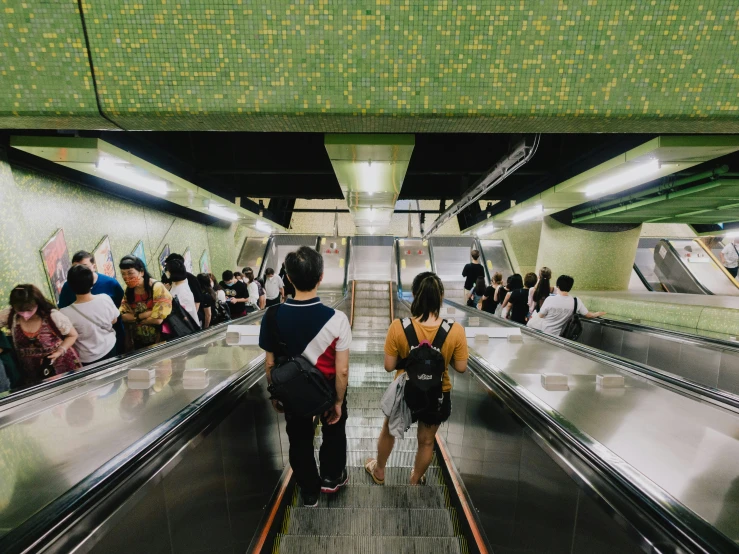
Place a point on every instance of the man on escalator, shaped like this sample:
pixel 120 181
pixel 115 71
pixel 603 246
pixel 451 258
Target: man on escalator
pixel 730 256
pixel 309 329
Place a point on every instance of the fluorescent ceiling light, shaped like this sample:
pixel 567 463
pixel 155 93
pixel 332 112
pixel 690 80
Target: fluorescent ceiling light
pixel 372 230
pixel 528 214
pixel 120 172
pixel 262 226
pixel 223 213
pixel 370 177
pixel 485 230
pixel 627 177
pixel 371 214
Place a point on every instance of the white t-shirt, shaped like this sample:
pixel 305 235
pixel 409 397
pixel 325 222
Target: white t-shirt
pixel 558 311
pixel 96 337
pixel 183 293
pixel 221 295
pixel 732 260
pixel 272 287
pixel 253 289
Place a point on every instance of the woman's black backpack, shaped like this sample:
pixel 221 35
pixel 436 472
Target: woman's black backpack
pixel 179 321
pixel 296 383
pixel 425 367
pixel 219 313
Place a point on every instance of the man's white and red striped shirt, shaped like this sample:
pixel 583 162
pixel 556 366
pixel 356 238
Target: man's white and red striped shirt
pixel 311 329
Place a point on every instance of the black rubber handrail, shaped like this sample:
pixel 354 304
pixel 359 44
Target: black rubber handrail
pixel 718 397
pixel 642 278
pixel 687 271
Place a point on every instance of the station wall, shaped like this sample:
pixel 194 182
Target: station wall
pixel 34 205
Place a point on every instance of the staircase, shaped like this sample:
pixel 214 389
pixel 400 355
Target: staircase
pixel 363 517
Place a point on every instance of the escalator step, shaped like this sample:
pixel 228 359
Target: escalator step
pixel 428 522
pixel 393 475
pixel 353 444
pixel 386 496
pixel 399 458
pixel 368 545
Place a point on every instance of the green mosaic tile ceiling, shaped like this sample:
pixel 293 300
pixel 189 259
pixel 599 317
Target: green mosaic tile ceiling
pixel 586 65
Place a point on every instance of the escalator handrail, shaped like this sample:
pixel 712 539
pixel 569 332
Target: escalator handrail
pixel 480 249
pixel 711 395
pixel 53 522
pixel 717 262
pixel 699 340
pixel 9 402
pixel 397 265
pixel 649 503
pixel 642 278
pixel 263 265
pixel 347 261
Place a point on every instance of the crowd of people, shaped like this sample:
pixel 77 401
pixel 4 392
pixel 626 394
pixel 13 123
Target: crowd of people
pixel 97 319
pixel 530 300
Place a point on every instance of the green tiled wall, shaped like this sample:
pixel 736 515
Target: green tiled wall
pixel 315 65
pixel 33 206
pixel 522 244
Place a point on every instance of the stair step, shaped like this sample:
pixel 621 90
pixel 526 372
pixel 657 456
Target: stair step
pixel 369 285
pixel 408 444
pixel 368 545
pixel 398 459
pixel 353 522
pixel 394 476
pixel 384 496
pixel 373 310
pixel 371 294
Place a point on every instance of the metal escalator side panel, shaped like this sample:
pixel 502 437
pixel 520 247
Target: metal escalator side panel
pixel 673 273
pixel 640 279
pixel 721 281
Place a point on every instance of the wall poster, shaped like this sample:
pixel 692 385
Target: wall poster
pixel 205 263
pixel 55 256
pixel 188 260
pixel 139 252
pixel 104 258
pixel 163 256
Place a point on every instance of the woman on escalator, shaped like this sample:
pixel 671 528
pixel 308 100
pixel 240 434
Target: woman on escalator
pixel 423 326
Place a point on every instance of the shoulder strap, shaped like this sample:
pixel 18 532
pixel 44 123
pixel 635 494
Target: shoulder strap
pixel 735 250
pixel 107 329
pixel 410 332
pixel 271 318
pixel 442 334
pixel 575 312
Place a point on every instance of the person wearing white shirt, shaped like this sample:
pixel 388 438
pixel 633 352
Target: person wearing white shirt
pixel 181 289
pixel 557 310
pixel 252 303
pixel 274 287
pixel 93 316
pixel 730 257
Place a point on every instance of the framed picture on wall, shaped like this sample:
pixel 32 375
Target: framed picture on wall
pixel 163 256
pixel 188 260
pixel 139 252
pixel 204 263
pixel 104 258
pixel 55 257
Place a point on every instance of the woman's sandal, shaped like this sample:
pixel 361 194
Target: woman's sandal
pixel 369 467
pixel 422 480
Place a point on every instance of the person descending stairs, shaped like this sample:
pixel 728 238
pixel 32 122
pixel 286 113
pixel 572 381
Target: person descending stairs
pixel 363 517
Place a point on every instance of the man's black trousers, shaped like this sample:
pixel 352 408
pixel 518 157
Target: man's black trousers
pixel 300 431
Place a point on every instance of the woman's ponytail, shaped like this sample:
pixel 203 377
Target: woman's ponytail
pixel 428 294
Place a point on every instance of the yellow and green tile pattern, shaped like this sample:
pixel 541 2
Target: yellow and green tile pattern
pixel 385 65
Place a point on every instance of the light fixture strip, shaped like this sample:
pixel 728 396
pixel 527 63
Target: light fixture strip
pixel 528 214
pixel 624 178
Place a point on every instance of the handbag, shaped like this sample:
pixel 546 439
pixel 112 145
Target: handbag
pixel 295 382
pixel 573 328
pixel 179 322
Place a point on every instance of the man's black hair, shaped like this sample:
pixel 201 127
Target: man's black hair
pixel 565 283
pixel 174 256
pixel 80 279
pixel 227 275
pixel 269 271
pixel 304 268
pixel 82 255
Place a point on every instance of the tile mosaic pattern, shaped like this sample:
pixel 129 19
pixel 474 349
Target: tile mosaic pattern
pixel 34 205
pixel 315 65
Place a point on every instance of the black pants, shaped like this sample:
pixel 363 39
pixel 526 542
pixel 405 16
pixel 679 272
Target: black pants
pixel 733 271
pixel 272 302
pixel 112 354
pixel 332 455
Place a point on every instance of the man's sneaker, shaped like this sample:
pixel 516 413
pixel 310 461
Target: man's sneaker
pixel 310 500
pixel 330 486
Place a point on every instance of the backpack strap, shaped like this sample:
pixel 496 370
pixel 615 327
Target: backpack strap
pixel 410 332
pixel 442 333
pixel 271 319
pixel 575 312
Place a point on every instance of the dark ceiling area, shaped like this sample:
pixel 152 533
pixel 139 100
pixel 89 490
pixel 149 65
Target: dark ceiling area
pixel 296 165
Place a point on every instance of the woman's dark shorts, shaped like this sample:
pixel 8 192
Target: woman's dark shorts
pixel 436 417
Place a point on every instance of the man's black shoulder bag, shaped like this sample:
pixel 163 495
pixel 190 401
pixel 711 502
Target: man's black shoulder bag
pixel 296 383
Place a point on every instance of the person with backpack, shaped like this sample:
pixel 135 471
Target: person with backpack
pixel 421 348
pixel 305 336
pixel 558 311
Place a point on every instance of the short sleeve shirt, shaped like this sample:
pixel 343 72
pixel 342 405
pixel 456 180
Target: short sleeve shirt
pixel 454 347
pixel 557 311
pixel 93 321
pixel 732 258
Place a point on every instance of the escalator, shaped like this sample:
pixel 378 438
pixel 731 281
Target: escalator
pixel 364 517
pixel 520 466
pixel 688 266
